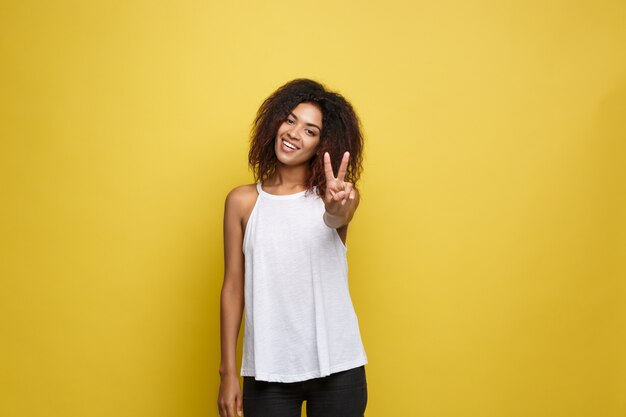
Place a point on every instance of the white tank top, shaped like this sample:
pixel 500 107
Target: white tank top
pixel 300 322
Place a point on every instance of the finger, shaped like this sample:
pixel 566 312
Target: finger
pixel 348 191
pixel 353 195
pixel 344 166
pixel 239 406
pixel 349 188
pixel 339 195
pixel 328 169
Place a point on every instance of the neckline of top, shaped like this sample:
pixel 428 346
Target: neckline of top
pixel 278 196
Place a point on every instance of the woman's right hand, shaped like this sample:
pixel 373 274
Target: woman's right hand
pixel 230 396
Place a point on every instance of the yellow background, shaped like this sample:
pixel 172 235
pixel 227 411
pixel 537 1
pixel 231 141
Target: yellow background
pixel 487 257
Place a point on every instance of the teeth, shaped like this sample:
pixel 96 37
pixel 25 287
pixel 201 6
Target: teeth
pixel 289 145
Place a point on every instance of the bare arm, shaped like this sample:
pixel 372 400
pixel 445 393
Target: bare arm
pixel 232 297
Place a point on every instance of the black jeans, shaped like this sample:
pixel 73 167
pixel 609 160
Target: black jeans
pixel 340 394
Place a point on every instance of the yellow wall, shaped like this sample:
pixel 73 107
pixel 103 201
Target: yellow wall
pixel 487 257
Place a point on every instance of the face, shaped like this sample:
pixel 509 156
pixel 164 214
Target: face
pixel 301 130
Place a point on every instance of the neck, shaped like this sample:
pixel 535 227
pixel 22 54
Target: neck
pixel 287 176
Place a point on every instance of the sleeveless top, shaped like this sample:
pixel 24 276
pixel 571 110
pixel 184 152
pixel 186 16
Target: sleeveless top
pixel 300 322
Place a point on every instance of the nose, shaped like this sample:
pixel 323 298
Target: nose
pixel 294 134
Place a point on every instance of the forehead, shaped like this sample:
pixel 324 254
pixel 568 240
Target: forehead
pixel 308 113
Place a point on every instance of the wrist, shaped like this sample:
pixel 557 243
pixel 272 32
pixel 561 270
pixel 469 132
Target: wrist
pixel 227 369
pixel 227 374
pixel 334 221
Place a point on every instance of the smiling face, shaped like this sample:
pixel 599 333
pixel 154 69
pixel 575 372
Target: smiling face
pixel 298 136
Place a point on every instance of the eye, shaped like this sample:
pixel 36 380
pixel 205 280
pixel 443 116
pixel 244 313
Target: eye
pixel 290 122
pixel 310 132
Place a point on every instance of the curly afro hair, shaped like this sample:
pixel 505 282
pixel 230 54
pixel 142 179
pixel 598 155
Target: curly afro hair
pixel 341 132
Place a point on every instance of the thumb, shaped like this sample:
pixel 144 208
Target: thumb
pixel 239 408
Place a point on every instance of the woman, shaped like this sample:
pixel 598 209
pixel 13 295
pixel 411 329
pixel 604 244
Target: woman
pixel 285 255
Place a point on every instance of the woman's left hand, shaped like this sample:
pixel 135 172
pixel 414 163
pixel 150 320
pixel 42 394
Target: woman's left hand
pixel 339 193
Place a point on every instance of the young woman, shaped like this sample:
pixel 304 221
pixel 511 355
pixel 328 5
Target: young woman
pixel 285 256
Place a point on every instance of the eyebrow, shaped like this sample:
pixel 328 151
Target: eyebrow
pixel 309 124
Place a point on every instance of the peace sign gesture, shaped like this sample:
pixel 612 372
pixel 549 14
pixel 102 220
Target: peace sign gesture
pixel 339 193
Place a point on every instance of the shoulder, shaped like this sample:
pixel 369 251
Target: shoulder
pixel 241 194
pixel 240 197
